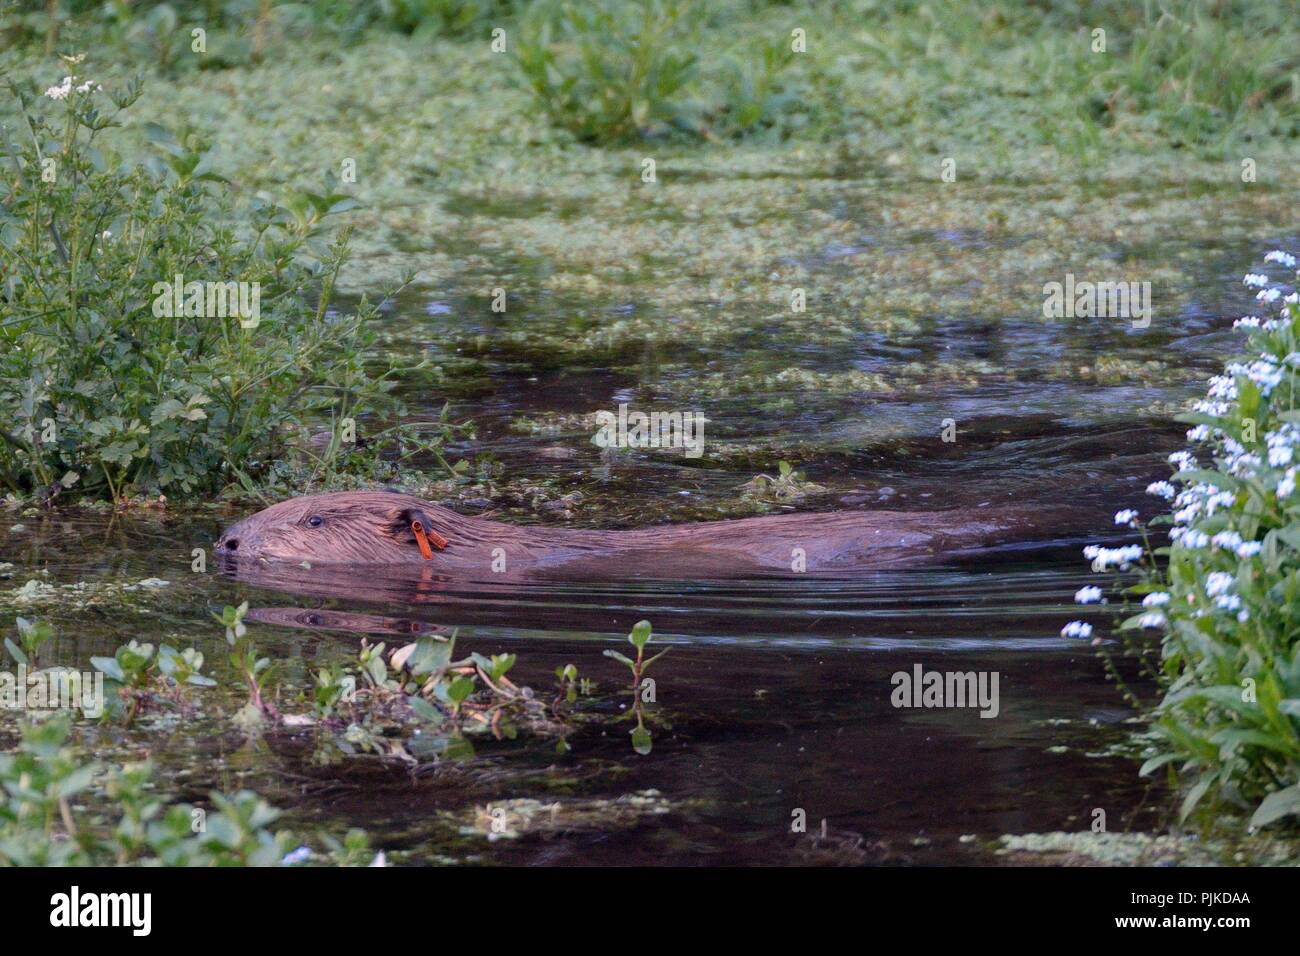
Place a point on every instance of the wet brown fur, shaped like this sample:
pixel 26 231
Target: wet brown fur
pixel 368 528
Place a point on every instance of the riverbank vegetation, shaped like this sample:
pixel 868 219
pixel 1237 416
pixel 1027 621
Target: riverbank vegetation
pixel 1224 594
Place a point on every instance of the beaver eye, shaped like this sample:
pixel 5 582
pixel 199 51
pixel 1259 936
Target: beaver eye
pixel 315 521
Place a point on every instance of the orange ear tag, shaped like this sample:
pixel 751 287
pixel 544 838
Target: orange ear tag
pixel 439 542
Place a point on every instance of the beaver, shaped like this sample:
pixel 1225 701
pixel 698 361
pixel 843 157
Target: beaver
pixel 383 528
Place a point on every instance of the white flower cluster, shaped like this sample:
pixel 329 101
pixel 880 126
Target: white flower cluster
pixel 1161 489
pixel 1103 559
pixel 61 91
pixel 1277 468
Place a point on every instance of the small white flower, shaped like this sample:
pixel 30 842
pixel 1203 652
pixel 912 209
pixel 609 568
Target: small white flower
pixel 1217 582
pixel 1223 499
pixel 1256 280
pixel 1248 549
pixel 1105 558
pixel 1156 599
pixel 1226 539
pixel 1286 486
pixel 1199 433
pixel 300 855
pixel 1247 322
pixel 1194 539
pixel 1126 517
pixel 1151 620
pixel 1229 602
pixel 1077 629
pixel 1087 595
pixel 1161 489
pixel 1269 295
pixel 61 91
pixel 1285 258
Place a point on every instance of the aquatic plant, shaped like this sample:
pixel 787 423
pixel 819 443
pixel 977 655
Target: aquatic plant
pixel 151 341
pixel 40 826
pixel 787 485
pixel 255 671
pixel 441 17
pixel 416 703
pixel 639 638
pixel 31 636
pixel 1226 599
pixel 140 675
pixel 609 72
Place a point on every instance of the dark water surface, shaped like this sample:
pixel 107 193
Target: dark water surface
pixel 776 695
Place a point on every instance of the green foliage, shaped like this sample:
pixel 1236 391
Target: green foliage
pixel 639 638
pixel 442 17
pixel 31 635
pixel 38 826
pixel 138 675
pixel 254 670
pixel 100 392
pixel 609 71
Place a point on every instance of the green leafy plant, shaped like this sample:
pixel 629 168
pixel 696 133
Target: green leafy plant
pixel 105 387
pixel 254 670
pixel 639 638
pixel 441 17
pixel 40 827
pixel 31 636
pixel 140 675
pixel 608 71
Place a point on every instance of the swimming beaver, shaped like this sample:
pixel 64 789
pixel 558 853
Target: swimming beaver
pixel 388 528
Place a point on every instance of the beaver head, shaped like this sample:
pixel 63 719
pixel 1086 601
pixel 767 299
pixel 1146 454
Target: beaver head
pixel 345 527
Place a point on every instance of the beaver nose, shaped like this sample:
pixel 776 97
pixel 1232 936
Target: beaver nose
pixel 230 544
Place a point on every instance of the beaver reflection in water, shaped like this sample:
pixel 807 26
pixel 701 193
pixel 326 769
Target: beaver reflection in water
pixel 380 528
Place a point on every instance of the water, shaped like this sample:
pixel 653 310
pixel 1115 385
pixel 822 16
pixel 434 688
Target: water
pixel 774 703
